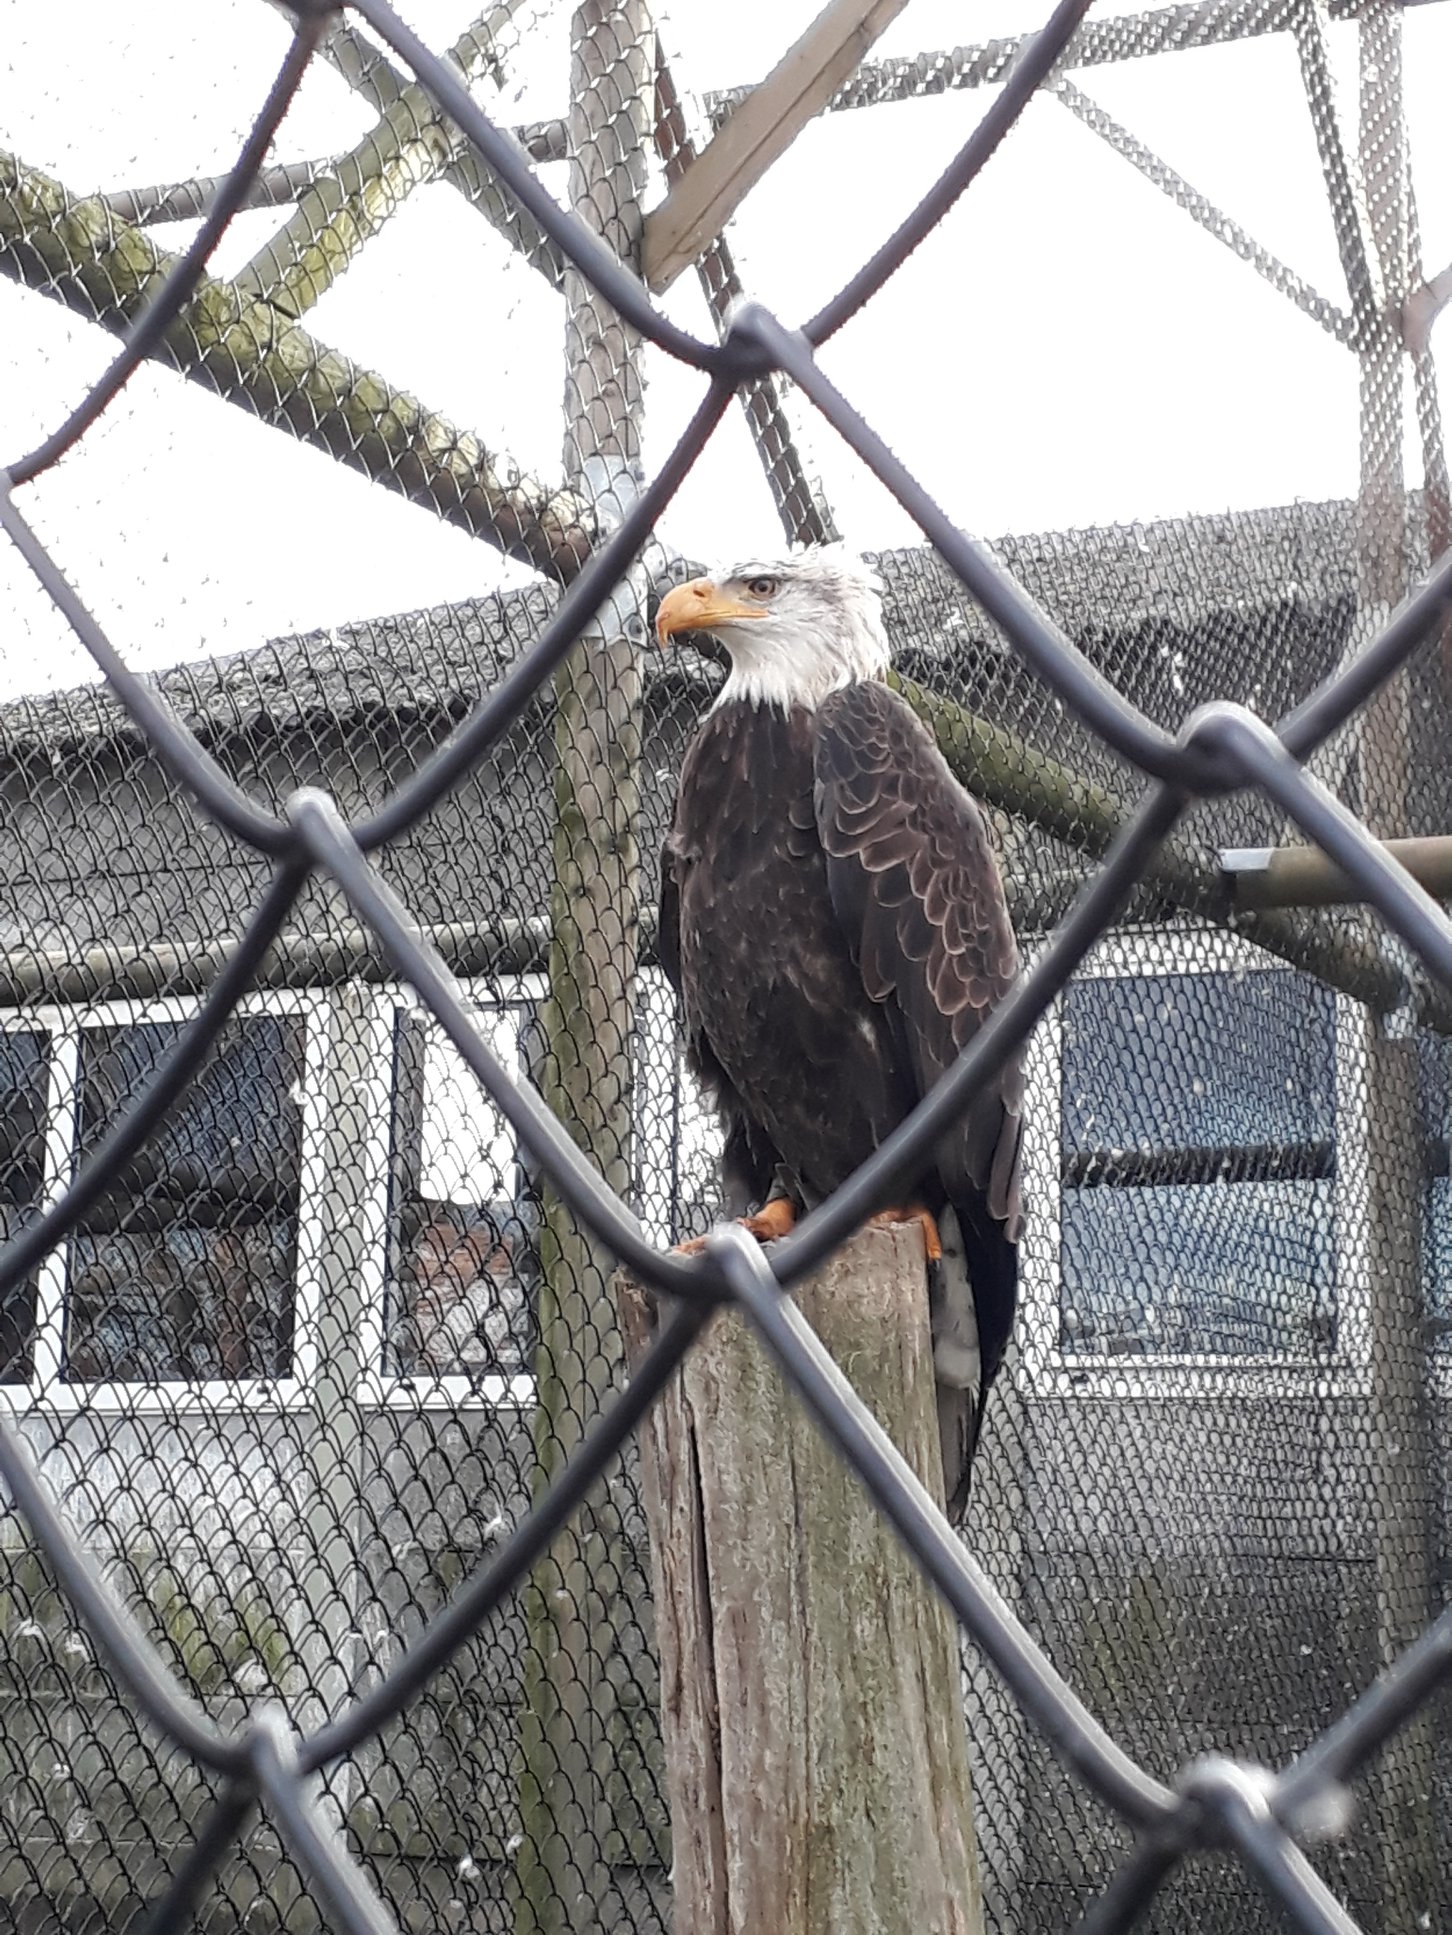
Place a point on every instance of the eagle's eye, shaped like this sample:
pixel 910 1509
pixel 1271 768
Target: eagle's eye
pixel 762 587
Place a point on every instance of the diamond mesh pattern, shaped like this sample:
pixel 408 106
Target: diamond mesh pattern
pixel 338 1075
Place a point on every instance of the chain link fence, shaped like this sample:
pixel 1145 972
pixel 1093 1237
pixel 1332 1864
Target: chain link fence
pixel 338 1075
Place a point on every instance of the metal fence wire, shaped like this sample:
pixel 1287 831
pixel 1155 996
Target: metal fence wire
pixel 324 1598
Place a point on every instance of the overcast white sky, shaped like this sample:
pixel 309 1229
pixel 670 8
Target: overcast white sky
pixel 1068 348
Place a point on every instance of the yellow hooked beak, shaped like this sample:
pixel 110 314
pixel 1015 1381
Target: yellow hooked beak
pixel 697 607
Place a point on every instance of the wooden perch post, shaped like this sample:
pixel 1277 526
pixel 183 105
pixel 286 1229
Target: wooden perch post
pixel 816 1755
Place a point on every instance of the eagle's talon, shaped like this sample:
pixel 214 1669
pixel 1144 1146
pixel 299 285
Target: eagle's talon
pixel 914 1213
pixel 773 1219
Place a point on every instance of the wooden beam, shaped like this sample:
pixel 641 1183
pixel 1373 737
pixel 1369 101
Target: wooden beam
pixel 771 117
pixel 413 144
pixel 274 186
pixel 78 253
pixel 375 78
pixel 805 515
pixel 1422 308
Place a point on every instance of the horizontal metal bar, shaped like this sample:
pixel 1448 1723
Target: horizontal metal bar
pixel 1306 877
pixel 31 977
pixel 1098 43
pixel 1253 750
pixel 1202 1164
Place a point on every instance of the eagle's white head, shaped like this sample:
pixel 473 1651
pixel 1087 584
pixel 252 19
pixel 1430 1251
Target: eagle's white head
pixel 795 629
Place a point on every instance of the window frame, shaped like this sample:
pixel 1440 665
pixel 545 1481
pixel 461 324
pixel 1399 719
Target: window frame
pixel 1041 1367
pixel 47 1390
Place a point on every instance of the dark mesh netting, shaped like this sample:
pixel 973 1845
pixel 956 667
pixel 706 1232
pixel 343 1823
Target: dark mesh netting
pixel 339 1071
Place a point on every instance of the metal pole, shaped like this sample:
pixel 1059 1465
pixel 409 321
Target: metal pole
pixel 1260 877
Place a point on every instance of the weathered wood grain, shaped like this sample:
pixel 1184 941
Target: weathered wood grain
pixel 815 1744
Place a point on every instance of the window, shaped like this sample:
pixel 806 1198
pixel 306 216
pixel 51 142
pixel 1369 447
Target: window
pixel 25 1087
pixel 194 1269
pixel 1193 1168
pixel 462 1217
pixel 196 1275
pixel 1434 1056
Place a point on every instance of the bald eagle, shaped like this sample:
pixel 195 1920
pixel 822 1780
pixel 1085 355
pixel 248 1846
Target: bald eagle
pixel 834 923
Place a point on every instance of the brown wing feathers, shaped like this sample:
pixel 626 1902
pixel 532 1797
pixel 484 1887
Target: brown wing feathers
pixel 916 888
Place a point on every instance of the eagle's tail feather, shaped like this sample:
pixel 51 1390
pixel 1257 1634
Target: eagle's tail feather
pixel 957 1361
